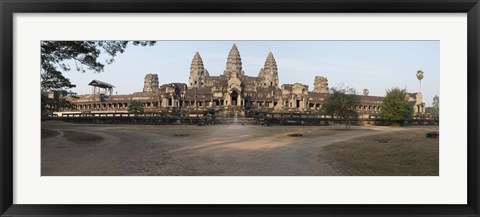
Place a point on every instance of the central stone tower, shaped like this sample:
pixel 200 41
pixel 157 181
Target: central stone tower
pixel 234 63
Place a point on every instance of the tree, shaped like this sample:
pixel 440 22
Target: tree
pixel 57 57
pixel 396 107
pixel 428 110
pixel 341 103
pixel 420 77
pixel 135 106
pixel 435 109
pixel 365 92
pixel 57 101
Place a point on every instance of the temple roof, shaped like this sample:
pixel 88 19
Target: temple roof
pixel 317 95
pixel 201 93
pixel 413 95
pixel 100 84
pixel 247 80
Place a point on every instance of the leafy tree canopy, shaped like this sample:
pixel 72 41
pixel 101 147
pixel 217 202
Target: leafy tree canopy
pixel 435 111
pixel 396 107
pixel 341 103
pixel 135 106
pixel 428 110
pixel 57 57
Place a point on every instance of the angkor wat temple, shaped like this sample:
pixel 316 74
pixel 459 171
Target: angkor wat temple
pixel 232 93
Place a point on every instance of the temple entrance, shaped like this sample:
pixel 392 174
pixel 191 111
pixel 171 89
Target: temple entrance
pixel 234 97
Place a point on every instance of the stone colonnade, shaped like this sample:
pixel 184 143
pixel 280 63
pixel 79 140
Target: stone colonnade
pixel 300 104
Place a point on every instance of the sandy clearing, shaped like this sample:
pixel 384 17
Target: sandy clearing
pixel 227 150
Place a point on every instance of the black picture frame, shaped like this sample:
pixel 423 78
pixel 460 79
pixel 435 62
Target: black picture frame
pixel 9 7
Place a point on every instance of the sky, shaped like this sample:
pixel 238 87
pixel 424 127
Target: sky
pixel 373 65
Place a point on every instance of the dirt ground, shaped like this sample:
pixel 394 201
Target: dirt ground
pixel 181 150
pixel 400 153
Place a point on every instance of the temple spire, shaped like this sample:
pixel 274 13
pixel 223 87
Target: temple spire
pixel 234 62
pixel 269 73
pixel 271 64
pixel 197 71
pixel 270 55
pixel 197 63
pixel 197 56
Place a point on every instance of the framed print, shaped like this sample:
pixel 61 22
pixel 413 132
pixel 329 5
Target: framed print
pixel 196 108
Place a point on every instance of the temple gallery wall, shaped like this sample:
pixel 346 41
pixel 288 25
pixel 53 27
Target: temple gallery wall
pixel 231 92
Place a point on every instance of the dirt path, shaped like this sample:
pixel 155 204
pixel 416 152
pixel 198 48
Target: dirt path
pixel 231 150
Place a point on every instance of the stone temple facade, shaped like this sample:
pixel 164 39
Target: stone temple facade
pixel 233 93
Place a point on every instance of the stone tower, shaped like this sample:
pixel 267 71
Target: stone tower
pixel 197 72
pixel 151 83
pixel 234 63
pixel 320 84
pixel 269 73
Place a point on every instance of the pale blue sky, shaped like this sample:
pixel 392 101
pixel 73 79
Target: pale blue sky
pixel 375 65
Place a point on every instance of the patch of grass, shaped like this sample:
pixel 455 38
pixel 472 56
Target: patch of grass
pixel 81 137
pixel 47 133
pixel 403 153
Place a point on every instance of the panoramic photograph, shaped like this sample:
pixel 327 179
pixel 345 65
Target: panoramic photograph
pixel 240 108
